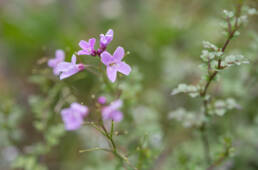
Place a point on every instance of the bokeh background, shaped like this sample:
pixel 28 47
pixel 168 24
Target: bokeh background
pixel 164 39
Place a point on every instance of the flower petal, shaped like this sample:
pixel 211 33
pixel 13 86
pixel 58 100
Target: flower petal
pixel 84 44
pixel 119 54
pixel 109 35
pixel 110 32
pixel 116 104
pixel 83 110
pixel 92 43
pixel 52 63
pixel 74 59
pixel 72 120
pixel 60 55
pixel 69 72
pixel 111 73
pixel 106 39
pixel 123 68
pixel 116 116
pixel 102 100
pixel 106 58
pixel 84 52
pixel 106 113
pixel 55 71
pixel 63 66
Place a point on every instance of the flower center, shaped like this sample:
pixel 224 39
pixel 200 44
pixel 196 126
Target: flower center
pixel 88 50
pixel 112 64
pixel 81 67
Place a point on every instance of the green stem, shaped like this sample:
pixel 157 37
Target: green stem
pixel 112 129
pixel 206 145
pixel 220 160
pixel 92 124
pixel 203 93
pixel 109 136
pixel 95 149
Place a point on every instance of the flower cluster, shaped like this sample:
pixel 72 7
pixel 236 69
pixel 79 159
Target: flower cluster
pixel 187 118
pixel 192 90
pixel 220 107
pixel 113 62
pixel 73 116
pixel 111 111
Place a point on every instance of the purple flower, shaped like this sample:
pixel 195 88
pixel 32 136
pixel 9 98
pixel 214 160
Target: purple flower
pixel 60 56
pixel 111 112
pixel 68 69
pixel 73 116
pixel 102 100
pixel 106 39
pixel 115 64
pixel 87 47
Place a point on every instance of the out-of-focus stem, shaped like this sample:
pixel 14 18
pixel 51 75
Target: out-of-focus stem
pixel 206 145
pixel 112 129
pixel 109 136
pixel 212 76
pixel 95 149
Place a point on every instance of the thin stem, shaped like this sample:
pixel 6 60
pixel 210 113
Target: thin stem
pixel 92 124
pixel 206 145
pixel 213 75
pixel 114 151
pixel 95 149
pixel 112 129
pixel 113 143
pixel 220 160
pixel 105 133
pixel 211 78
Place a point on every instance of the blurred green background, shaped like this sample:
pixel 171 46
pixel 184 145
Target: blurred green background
pixel 164 38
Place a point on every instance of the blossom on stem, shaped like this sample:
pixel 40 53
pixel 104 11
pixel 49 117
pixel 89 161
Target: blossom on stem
pixel 68 69
pixel 111 111
pixel 73 116
pixel 87 47
pixel 102 100
pixel 114 63
pixel 53 62
pixel 106 39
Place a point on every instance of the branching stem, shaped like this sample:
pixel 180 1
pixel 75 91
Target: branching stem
pixel 212 76
pixel 102 129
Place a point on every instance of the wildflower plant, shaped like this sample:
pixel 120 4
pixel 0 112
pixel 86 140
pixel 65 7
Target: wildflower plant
pixel 93 99
pixel 107 114
pixel 215 60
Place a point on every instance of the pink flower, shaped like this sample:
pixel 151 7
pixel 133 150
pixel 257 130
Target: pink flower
pixel 102 100
pixel 111 112
pixel 114 63
pixel 106 39
pixel 73 116
pixel 60 56
pixel 87 47
pixel 68 69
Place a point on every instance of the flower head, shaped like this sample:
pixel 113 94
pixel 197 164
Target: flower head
pixel 106 39
pixel 102 100
pixel 60 56
pixel 114 63
pixel 73 116
pixel 111 112
pixel 68 69
pixel 87 47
